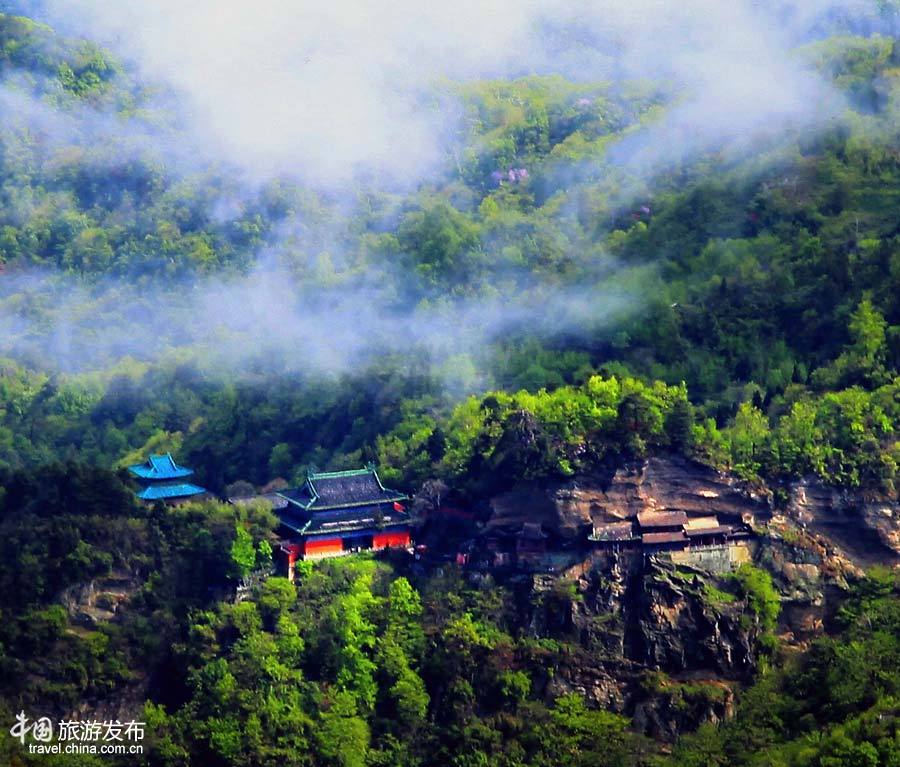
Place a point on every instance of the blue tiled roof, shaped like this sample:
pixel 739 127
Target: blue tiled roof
pixel 160 467
pixel 162 492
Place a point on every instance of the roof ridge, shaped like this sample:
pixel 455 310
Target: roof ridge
pixel 352 504
pixel 345 473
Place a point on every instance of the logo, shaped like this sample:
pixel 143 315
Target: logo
pixel 41 729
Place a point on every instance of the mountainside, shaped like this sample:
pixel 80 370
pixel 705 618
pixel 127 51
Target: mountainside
pixel 862 526
pixel 604 294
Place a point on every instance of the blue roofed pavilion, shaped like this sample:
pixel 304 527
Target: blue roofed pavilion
pixel 160 467
pixel 162 479
pixel 169 492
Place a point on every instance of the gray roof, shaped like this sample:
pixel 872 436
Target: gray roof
pixel 341 489
pixel 650 519
pixel 718 530
pixel 277 501
pixel 613 531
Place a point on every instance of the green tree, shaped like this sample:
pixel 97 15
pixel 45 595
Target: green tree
pixel 762 598
pixel 440 242
pixel 243 553
pixel 342 737
pixel 747 437
pixel 281 461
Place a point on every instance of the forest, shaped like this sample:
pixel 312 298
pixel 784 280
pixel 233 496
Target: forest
pixel 365 661
pixel 534 311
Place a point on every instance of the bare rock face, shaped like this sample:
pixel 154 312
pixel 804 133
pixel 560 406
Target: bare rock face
pixel 598 682
pixel 664 483
pixel 681 630
pixel 648 641
pixel 98 601
pixel 673 483
pixel 673 707
pixel 866 529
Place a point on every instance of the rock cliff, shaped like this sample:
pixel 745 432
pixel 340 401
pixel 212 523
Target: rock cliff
pixel 667 644
pixel 659 643
pixel 865 528
pixel 669 483
pixel 860 529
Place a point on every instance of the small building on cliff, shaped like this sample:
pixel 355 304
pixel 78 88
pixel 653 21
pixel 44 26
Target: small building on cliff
pixel 531 545
pixel 701 540
pixel 161 479
pixel 615 536
pixel 341 512
pixel 662 530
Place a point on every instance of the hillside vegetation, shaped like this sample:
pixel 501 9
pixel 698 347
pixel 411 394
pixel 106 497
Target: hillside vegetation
pixel 739 309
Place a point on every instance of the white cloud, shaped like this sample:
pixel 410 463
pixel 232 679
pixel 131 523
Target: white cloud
pixel 322 91
pixel 325 90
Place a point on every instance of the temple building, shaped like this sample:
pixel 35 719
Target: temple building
pixel 615 536
pixel 531 545
pixel 662 530
pixel 667 532
pixel 162 479
pixel 341 512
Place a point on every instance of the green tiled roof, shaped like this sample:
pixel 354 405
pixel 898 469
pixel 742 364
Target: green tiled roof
pixel 358 518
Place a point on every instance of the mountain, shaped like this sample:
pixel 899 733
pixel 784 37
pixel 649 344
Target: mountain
pixel 568 320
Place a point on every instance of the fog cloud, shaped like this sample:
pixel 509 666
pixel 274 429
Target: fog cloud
pixel 326 91
pixel 266 321
pixel 330 93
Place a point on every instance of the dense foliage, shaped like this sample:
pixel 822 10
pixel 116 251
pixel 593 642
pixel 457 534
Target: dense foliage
pixel 352 666
pixel 834 705
pixel 763 285
pixel 739 309
pixel 363 662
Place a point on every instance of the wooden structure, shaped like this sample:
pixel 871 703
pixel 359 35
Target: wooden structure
pixel 662 531
pixel 615 536
pixel 341 512
pixel 666 531
pixel 531 544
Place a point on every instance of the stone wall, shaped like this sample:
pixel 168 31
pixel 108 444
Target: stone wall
pixel 715 559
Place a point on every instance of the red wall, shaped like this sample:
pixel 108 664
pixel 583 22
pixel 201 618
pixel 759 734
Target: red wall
pixel 394 538
pixel 323 548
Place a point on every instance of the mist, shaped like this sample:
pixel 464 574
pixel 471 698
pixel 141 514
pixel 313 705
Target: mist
pixel 328 92
pixel 349 93
pixel 267 322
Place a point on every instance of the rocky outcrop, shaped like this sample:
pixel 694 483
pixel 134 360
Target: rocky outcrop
pixel 672 707
pixel 859 528
pixel 89 605
pixel 656 642
pixel 98 601
pixel 666 483
pixel 866 529
pixel 663 483
pixel 683 629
